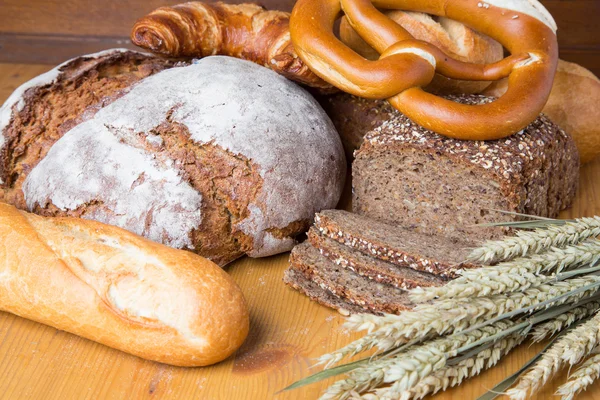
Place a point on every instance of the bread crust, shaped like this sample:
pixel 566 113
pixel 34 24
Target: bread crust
pixel 536 170
pixel 111 286
pixel 241 174
pixel 452 37
pixel 573 105
pixel 42 110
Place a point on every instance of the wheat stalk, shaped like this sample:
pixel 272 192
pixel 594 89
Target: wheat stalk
pixel 450 315
pixel 581 379
pixel 406 369
pixel 515 275
pixel 552 327
pixel 536 241
pixel 454 375
pixel 459 330
pixel 569 349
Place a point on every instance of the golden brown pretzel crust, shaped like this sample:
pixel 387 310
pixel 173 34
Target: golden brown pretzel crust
pixel 407 64
pixel 245 31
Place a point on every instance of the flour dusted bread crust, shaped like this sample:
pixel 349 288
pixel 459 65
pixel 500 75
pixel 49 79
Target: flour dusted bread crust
pixel 222 157
pixel 111 286
pixel 40 111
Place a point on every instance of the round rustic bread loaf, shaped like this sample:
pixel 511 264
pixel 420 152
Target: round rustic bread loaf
pixel 223 157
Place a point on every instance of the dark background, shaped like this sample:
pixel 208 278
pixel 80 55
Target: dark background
pixel 51 31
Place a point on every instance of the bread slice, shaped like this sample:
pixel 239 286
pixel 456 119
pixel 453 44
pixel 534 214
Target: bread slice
pixel 370 267
pixel 433 254
pixel 302 283
pixel 349 286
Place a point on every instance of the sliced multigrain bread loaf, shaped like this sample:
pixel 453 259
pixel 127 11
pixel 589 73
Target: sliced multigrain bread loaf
pixel 370 267
pixel 403 247
pixel 350 287
pixel 303 283
pixel 408 176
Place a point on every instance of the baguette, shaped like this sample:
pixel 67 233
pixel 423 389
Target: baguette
pixel 116 288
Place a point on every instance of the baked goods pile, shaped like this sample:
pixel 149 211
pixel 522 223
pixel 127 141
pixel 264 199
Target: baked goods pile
pixel 421 194
pixel 211 147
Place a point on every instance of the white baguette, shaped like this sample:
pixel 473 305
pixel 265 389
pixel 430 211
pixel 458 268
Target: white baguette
pixel 111 286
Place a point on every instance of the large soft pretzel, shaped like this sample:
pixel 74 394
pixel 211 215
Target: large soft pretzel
pixel 524 27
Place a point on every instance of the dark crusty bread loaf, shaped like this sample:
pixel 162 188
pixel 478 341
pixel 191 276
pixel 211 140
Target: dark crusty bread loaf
pixel 222 157
pixel 352 288
pixel 41 111
pixel 403 247
pixel 408 176
pixel 304 284
pixel 371 267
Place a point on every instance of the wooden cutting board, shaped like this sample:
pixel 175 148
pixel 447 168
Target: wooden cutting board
pixel 287 333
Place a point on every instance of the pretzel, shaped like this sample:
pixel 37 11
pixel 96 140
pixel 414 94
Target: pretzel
pixel 523 27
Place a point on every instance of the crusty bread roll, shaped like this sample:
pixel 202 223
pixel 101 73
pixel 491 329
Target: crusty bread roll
pixel 452 37
pixel 574 105
pixel 111 286
pixel 223 157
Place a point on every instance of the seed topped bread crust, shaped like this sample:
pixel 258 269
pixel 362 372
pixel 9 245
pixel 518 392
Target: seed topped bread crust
pixel 523 164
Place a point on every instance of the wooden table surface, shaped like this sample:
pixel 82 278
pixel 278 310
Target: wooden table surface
pixel 287 333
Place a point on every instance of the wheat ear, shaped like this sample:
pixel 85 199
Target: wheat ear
pixel 581 379
pixel 454 375
pixel 568 350
pixel 450 315
pixel 406 369
pixel 536 241
pixel 552 327
pixel 512 276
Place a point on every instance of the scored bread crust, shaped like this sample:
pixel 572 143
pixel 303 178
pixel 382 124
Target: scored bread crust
pixel 111 286
pixel 211 157
pixel 452 37
pixel 43 109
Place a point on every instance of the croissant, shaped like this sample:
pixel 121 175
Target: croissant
pixel 246 31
